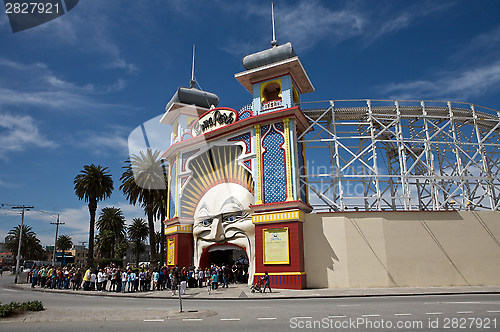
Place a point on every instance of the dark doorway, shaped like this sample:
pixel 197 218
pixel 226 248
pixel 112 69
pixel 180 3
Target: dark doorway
pixel 227 257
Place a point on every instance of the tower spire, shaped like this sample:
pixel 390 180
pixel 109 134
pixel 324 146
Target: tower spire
pixel 274 43
pixel 193 81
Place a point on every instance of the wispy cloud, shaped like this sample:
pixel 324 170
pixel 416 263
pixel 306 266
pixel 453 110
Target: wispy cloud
pixel 449 85
pixel 113 140
pixel 18 133
pixel 482 47
pixel 307 23
pixel 478 74
pixel 8 185
pixel 36 85
pixel 86 30
pixel 77 225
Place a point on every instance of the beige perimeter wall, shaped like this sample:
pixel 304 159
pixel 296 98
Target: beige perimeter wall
pixel 401 249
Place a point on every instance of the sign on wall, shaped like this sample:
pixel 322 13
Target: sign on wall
pixel 212 120
pixel 276 246
pixel 171 251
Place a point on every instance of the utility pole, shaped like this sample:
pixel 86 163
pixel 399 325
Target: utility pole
pixel 18 258
pixel 55 241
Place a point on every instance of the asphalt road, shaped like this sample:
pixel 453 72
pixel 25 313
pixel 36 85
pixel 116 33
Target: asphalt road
pixel 395 313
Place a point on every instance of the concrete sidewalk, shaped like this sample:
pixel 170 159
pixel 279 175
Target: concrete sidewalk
pixel 239 291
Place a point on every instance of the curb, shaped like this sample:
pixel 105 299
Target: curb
pixel 147 295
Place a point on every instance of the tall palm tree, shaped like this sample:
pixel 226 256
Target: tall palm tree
pixel 158 241
pixel 64 242
pixel 104 243
pixel 137 232
pixel 141 180
pixel 30 244
pixel 93 184
pixel 112 219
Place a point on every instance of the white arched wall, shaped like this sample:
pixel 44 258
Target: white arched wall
pixel 402 249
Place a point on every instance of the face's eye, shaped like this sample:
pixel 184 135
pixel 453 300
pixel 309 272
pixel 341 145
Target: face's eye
pixel 206 222
pixel 229 218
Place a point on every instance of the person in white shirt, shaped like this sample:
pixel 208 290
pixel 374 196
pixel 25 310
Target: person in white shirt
pixel 124 281
pixel 92 281
pixel 100 278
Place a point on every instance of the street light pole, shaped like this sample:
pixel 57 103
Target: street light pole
pixel 18 257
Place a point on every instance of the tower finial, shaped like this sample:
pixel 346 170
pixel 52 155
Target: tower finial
pixel 193 81
pixel 273 42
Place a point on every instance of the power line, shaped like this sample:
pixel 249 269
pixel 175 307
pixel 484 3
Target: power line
pixel 18 258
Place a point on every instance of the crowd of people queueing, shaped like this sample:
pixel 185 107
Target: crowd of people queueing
pixel 133 279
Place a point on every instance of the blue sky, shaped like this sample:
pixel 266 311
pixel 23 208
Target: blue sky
pixel 74 89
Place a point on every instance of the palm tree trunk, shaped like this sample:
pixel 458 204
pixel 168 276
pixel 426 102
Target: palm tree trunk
pixel 152 242
pixel 92 210
pixel 137 244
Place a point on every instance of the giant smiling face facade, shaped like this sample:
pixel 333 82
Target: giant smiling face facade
pixel 222 217
pixel 218 197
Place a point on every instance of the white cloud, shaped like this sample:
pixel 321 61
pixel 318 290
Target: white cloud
pixel 307 23
pixel 112 140
pixel 36 85
pixel 458 85
pixel 77 221
pixel 18 133
pixel 310 22
pixel 8 185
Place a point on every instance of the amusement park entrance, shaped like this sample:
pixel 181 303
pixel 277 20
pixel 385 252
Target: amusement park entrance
pixel 226 255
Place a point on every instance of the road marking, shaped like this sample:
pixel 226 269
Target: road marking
pixel 348 305
pixel 192 319
pixel 10 290
pixel 370 315
pixel 154 320
pixel 266 318
pixel 338 316
pixel 230 319
pixel 459 302
pixel 434 313
pixel 302 317
pixel 465 312
pixel 402 314
pixel 493 311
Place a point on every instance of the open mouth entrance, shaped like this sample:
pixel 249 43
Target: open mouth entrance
pixel 234 257
pixel 227 255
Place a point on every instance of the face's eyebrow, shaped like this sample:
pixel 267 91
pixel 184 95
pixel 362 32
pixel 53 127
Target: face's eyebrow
pixel 232 200
pixel 204 208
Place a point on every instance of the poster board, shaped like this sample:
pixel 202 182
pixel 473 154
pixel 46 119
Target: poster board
pixel 171 251
pixel 276 246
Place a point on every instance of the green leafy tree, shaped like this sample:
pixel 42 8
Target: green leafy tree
pixel 93 184
pixel 104 243
pixel 142 179
pixel 137 232
pixel 64 242
pixel 30 244
pixel 112 219
pixel 121 248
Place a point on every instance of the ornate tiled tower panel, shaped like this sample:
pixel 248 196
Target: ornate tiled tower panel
pixel 276 79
